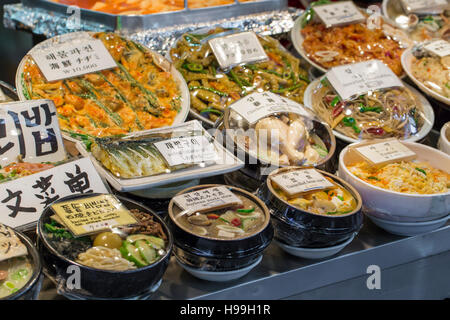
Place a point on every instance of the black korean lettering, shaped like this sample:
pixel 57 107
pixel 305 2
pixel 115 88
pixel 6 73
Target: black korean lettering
pixel 15 117
pixel 39 142
pixel 10 144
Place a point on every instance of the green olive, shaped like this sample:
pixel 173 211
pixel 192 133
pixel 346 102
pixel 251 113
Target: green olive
pixel 108 240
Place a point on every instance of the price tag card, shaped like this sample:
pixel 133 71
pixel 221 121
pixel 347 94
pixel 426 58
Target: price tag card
pixel 423 6
pixel 339 13
pixel 236 49
pixel 30 129
pixel 301 181
pixel 352 80
pixel 439 47
pixel 10 244
pixel 72 59
pixel 23 200
pixel 195 149
pixel 389 150
pixel 207 199
pixel 259 105
pixel 93 214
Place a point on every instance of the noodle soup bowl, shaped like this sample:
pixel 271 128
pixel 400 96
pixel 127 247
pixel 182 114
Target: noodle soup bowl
pixel 214 254
pixel 396 206
pixel 31 289
pixel 96 283
pixel 235 129
pixel 296 227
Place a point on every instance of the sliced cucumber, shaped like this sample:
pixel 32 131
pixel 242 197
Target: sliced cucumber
pixel 131 253
pixel 147 252
pixel 155 242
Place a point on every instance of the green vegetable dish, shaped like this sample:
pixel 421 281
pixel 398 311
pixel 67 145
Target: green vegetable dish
pixel 213 89
pixel 120 249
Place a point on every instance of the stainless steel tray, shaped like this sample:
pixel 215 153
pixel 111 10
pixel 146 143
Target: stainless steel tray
pixel 134 23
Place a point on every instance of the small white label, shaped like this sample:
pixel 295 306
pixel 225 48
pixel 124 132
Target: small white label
pixel 207 199
pixel 186 150
pixel 259 105
pixel 237 48
pixel 423 6
pixel 359 78
pixel 73 59
pixel 299 181
pixel 439 47
pixel 30 129
pixel 381 152
pixel 22 200
pixel 102 225
pixel 340 13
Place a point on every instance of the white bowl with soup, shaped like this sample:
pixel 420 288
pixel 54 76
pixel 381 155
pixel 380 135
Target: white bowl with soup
pixel 444 138
pixel 407 196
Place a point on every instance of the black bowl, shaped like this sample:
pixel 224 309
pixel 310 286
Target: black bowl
pixel 31 289
pixel 103 283
pixel 299 228
pixel 219 255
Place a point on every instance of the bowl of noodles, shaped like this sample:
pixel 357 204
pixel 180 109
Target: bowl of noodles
pixel 117 263
pixel 325 48
pixel 402 113
pixel 430 73
pixel 403 191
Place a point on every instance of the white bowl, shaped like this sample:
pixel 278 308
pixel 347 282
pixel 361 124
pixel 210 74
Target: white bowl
pixel 408 228
pixel 396 206
pixel 427 112
pixel 185 96
pixel 314 253
pixel 220 276
pixel 443 143
pixel 407 59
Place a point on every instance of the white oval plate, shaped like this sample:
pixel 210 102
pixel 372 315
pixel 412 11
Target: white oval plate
pixel 407 58
pixel 314 253
pixel 427 110
pixel 408 228
pixel 220 276
pixel 185 96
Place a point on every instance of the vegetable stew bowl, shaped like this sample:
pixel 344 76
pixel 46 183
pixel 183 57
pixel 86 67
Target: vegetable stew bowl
pixel 159 60
pixel 395 206
pixel 217 255
pixel 98 283
pixel 428 113
pixel 299 228
pixel 31 289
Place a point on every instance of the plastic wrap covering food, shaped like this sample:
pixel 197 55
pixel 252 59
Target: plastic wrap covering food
pixel 214 89
pixel 395 112
pixel 121 249
pixel 142 92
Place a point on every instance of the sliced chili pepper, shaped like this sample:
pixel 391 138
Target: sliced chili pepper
pixel 246 210
pixel 335 101
pixel 236 222
pixel 212 216
pixel 376 131
pixel 338 110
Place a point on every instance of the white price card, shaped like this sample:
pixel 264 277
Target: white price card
pixel 22 200
pixel 386 151
pixel 30 129
pixel 187 150
pixel 338 13
pixel 236 49
pixel 423 6
pixel 439 47
pixel 352 80
pixel 259 105
pixel 72 59
pixel 10 244
pixel 301 181
pixel 207 199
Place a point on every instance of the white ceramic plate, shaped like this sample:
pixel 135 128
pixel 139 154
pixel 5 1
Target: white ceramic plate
pixel 220 276
pixel 396 206
pixel 443 143
pixel 408 228
pixel 225 163
pixel 314 253
pixel 297 40
pixel 407 59
pixel 427 110
pixel 165 191
pixel 185 97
